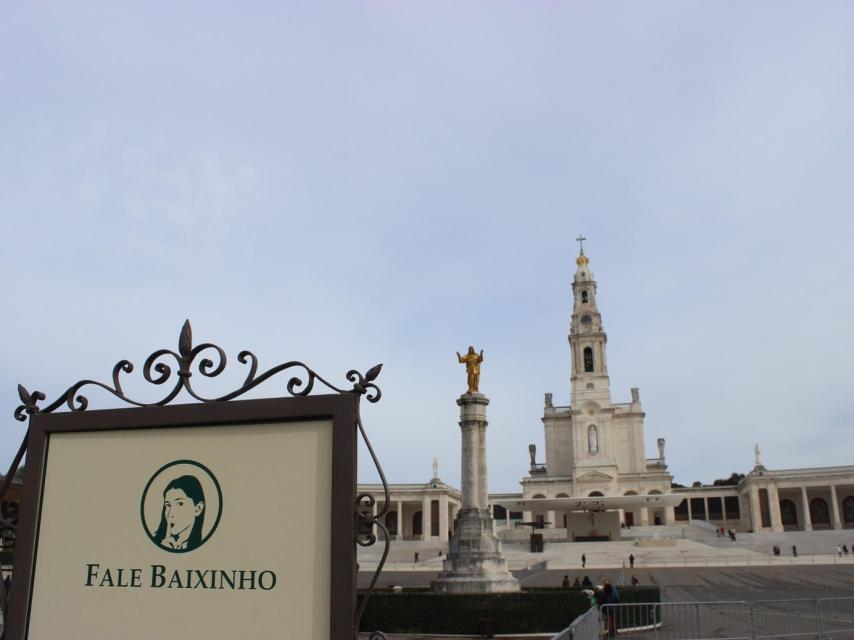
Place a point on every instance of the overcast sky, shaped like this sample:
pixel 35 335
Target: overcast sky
pixel 348 184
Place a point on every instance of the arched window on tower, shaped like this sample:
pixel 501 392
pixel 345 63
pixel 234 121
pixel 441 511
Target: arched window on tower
pixel 588 359
pixel 584 297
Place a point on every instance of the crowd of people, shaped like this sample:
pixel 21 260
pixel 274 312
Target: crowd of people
pixel 586 583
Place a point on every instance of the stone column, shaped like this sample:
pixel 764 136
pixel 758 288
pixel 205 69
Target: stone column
pixel 469 465
pixel 474 563
pixel 482 484
pixel 645 516
pixel 400 519
pixel 834 508
pixel 806 510
pixel 690 512
pixel 706 508
pixel 426 519
pixel 774 508
pixel 755 510
pixel 669 515
pixel 443 518
pixel 550 517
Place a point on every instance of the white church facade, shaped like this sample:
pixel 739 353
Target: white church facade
pixel 595 447
pixel 596 478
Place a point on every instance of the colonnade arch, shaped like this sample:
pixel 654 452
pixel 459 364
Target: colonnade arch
pixel 848 511
pixel 788 513
pixel 391 522
pixel 819 513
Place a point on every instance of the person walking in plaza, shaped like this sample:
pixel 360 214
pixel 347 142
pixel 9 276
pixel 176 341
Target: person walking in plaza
pixel 631 561
pixel 586 583
pixel 576 584
pixel 583 560
pixel 794 551
pixel 635 580
pixel 565 583
pixel 839 550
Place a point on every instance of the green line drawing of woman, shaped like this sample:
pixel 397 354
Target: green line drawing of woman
pixel 183 515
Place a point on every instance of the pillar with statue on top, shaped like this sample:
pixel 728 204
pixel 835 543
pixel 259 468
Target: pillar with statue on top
pixel 474 563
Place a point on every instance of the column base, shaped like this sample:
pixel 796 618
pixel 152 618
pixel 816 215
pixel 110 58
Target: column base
pixel 474 563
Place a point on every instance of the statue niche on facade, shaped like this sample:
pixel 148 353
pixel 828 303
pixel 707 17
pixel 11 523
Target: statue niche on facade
pixel 593 439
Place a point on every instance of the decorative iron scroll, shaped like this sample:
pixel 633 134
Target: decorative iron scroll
pixel 158 370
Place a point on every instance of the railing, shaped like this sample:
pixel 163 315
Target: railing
pixel 587 626
pixel 836 616
pixel 748 593
pixel 822 618
pixel 567 409
pixel 785 618
pixel 527 572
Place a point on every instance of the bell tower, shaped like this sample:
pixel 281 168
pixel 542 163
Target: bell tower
pixel 587 339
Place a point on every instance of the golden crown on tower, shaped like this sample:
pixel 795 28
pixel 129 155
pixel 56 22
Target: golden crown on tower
pixel 581 260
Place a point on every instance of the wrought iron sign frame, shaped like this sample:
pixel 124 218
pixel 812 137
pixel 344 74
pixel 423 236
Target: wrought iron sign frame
pixel 341 404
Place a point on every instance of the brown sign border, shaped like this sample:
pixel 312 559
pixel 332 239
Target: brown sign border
pixel 341 409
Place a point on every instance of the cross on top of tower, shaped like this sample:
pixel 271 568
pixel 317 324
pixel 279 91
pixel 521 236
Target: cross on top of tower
pixel 581 260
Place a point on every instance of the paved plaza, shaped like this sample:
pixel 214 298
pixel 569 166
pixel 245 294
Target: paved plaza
pixel 685 584
pixel 815 576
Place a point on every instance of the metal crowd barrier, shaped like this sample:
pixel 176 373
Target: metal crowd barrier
pixel 785 618
pixel 836 616
pixel 587 626
pixel 819 619
pixel 747 592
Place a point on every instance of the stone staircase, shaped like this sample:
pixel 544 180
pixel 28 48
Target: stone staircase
pixel 675 546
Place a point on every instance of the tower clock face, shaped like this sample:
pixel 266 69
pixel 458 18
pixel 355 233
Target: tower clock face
pixel 586 320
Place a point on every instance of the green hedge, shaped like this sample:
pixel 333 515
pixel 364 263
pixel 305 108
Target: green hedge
pixel 530 611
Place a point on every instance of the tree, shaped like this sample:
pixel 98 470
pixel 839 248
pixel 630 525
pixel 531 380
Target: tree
pixel 733 480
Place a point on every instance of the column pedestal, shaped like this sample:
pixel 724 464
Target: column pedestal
pixel 474 563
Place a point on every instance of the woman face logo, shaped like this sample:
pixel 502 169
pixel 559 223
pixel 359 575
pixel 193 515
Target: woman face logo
pixel 175 512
